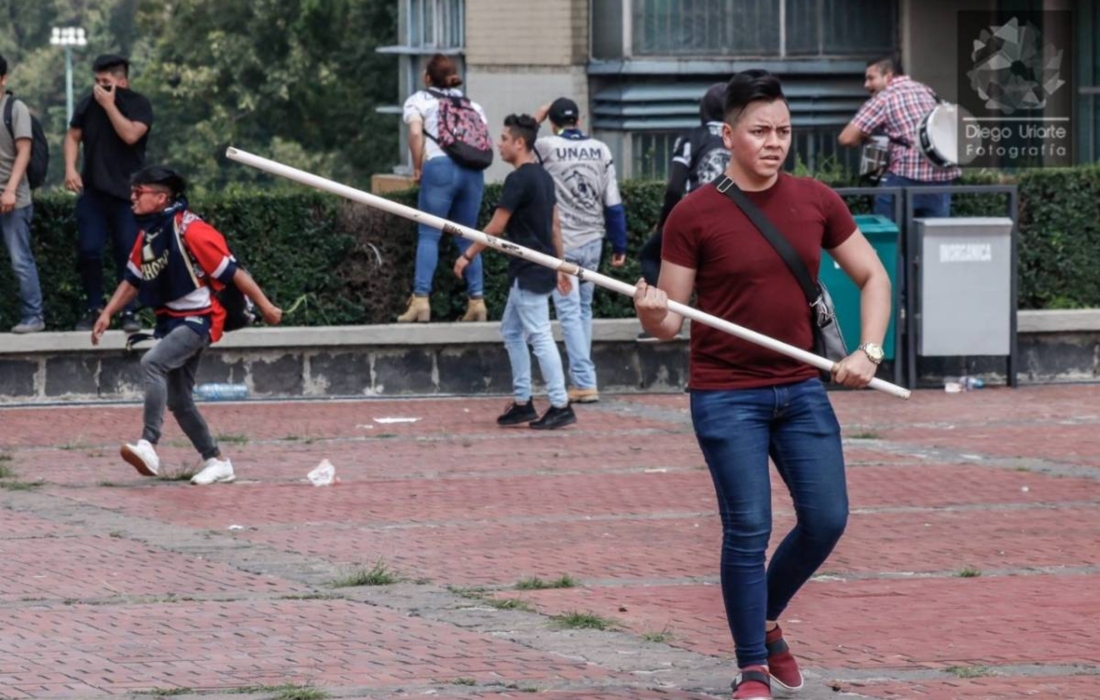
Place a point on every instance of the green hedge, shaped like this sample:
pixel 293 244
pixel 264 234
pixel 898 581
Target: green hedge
pixel 346 263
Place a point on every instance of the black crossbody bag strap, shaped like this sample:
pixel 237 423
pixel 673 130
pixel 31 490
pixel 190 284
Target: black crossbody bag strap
pixel 782 246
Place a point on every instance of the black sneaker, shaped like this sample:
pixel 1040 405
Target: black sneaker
pixel 130 322
pixel 518 414
pixel 556 418
pixel 87 323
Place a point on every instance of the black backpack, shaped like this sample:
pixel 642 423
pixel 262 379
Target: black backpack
pixel 40 148
pixel 239 309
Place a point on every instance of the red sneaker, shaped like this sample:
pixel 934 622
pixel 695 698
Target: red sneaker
pixel 753 683
pixel 781 664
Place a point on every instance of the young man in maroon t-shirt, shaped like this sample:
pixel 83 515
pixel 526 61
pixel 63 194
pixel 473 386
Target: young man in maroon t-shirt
pixel 748 402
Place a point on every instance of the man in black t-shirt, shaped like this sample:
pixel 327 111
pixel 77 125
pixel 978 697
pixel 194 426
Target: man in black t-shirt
pixel 113 124
pixel 528 214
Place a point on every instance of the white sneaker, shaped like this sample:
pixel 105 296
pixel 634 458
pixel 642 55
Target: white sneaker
pixel 142 456
pixel 216 471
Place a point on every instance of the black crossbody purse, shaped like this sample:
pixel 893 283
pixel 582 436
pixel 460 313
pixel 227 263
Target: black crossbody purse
pixel 828 340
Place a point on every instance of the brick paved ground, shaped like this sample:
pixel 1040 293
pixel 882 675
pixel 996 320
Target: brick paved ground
pixel 971 568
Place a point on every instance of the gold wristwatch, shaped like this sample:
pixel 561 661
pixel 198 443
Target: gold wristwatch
pixel 873 352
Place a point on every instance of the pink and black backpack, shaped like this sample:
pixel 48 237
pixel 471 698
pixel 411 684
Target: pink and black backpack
pixel 463 135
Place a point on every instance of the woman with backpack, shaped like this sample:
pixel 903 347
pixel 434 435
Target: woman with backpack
pixel 450 146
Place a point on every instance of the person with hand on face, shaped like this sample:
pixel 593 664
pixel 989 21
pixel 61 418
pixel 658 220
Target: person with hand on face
pixel 591 208
pixel 177 265
pixel 113 125
pixel 528 214
pixel 749 403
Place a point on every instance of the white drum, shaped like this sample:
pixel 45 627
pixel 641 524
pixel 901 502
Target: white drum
pixel 938 136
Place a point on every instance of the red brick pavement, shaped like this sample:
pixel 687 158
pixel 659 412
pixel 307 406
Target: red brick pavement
pixel 621 502
pixel 1014 688
pixel 217 645
pixel 879 624
pixel 105 566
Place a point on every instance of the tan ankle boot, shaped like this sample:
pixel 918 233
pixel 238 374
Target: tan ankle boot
pixel 476 311
pixel 419 310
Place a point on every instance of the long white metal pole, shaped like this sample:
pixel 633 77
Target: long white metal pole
pixel 510 248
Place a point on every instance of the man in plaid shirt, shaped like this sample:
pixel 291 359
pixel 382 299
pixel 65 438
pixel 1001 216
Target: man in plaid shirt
pixel 897 105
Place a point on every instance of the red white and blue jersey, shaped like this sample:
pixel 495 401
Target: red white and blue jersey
pixel 179 266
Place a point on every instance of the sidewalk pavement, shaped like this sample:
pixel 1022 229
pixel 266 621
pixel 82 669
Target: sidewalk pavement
pixel 970 569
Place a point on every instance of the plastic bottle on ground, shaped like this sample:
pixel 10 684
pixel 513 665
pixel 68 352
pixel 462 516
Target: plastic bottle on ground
pixel 221 392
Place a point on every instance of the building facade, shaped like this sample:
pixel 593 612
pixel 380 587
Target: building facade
pixel 639 67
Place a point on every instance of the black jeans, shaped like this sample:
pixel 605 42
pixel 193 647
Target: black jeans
pixel 99 216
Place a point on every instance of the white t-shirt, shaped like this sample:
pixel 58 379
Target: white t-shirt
pixel 424 106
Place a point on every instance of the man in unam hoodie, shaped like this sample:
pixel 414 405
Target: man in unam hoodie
pixel 590 208
pixel 177 265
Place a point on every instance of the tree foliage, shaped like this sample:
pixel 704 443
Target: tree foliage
pixel 298 80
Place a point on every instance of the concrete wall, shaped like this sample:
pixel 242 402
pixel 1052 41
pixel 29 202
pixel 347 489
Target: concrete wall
pixel 363 361
pixel 520 56
pixel 546 33
pixel 467 359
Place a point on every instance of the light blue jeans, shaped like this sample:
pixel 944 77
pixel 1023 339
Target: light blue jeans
pixel 574 312
pixel 526 321
pixel 449 191
pixel 16 227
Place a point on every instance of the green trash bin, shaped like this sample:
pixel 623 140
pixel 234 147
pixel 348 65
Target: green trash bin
pixel 883 236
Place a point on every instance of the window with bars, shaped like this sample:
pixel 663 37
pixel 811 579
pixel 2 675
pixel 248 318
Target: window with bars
pixel 763 28
pixel 814 148
pixel 434 24
pixel 424 28
pixel 651 152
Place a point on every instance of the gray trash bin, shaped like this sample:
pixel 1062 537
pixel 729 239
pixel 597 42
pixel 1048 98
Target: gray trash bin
pixel 966 290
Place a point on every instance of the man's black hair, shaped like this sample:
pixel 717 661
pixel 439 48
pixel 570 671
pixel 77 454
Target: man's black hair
pixel 523 126
pixel 3 66
pixel 748 86
pixel 162 176
pixel 111 63
pixel 887 64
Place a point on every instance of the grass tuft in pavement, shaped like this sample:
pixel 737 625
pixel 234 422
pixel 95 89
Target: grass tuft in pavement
pixel 537 584
pixel 378 575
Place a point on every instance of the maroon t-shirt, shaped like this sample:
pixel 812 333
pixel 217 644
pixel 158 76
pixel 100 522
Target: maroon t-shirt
pixel 740 277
